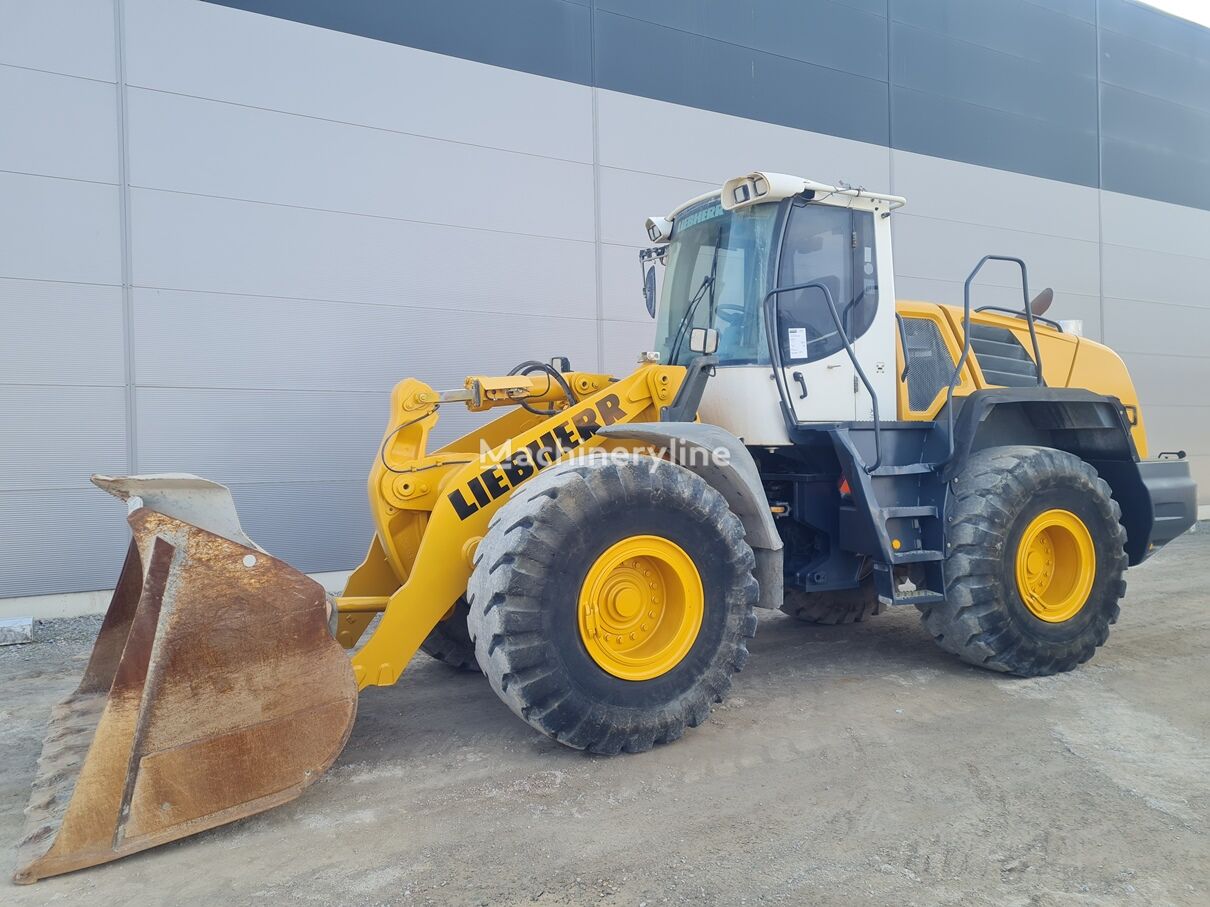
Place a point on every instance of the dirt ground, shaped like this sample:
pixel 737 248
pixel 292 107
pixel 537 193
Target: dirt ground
pixel 851 765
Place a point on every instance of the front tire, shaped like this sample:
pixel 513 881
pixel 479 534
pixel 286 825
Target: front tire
pixel 611 602
pixel 450 641
pixel 1034 563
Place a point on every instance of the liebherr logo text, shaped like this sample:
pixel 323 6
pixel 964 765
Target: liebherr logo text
pixel 496 481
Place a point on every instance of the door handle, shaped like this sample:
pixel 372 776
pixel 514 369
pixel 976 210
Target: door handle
pixel 802 385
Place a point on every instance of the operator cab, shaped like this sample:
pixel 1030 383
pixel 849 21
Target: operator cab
pixel 772 262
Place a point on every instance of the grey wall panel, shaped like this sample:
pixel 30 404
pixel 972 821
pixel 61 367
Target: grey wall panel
pixel 194 242
pixel 314 526
pixel 1148 224
pixel 947 250
pixel 1154 148
pixel 713 75
pixel 291 344
pixel 842 37
pixel 60 541
pixel 546 37
pixel 1156 276
pixel 66 126
pixel 1022 28
pixel 172 45
pixel 74 37
pixel 1002 83
pixel 1137 65
pixel 628 198
pixel 61 333
pixel 55 437
pixel 1080 9
pixel 641 133
pixel 942 127
pixel 967 193
pixel 1130 17
pixel 941 64
pixel 56 229
pixel 1132 326
pixel 214 148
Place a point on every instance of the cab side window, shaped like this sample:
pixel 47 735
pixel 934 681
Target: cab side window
pixel 834 246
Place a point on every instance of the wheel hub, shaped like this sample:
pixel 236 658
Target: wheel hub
pixel 640 607
pixel 1055 565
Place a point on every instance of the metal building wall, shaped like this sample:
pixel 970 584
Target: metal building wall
pixel 226 235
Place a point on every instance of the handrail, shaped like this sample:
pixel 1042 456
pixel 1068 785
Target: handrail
pixel 770 313
pixel 966 341
pixel 1015 314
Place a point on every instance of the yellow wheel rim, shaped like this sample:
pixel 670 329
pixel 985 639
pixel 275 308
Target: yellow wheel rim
pixel 1056 564
pixel 640 607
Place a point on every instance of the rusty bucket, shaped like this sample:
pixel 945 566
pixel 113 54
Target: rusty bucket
pixel 215 689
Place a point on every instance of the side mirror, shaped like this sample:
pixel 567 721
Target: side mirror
pixel 649 290
pixel 703 341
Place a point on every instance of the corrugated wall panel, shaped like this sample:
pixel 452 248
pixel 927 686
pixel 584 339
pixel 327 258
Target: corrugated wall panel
pixel 323 206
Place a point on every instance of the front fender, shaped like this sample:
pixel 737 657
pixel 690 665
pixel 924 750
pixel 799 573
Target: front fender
pixel 725 463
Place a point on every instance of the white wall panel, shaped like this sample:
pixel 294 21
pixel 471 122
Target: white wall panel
pixel 1165 379
pixel 623 341
pixel 971 194
pixel 628 198
pixel 194 242
pixel 314 526
pixel 188 339
pixel 66 126
pixel 60 333
pixel 657 137
pixel 258 436
pixel 621 284
pixel 1132 326
pixel 1144 223
pixel 74 37
pixel 56 229
pixel 210 51
pixel 946 250
pixel 56 437
pixel 70 540
pixel 220 149
pixel 1157 276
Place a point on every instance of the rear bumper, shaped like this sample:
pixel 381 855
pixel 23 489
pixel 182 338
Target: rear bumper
pixel 1172 495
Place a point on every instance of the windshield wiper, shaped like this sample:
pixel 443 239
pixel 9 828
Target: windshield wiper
pixel 682 328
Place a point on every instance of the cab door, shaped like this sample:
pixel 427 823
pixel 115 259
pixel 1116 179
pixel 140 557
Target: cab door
pixel 834 248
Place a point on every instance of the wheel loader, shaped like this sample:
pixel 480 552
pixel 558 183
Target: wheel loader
pixel 796 439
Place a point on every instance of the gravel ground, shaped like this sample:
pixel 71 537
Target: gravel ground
pixel 851 765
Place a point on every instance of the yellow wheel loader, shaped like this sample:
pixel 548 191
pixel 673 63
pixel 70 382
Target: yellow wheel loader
pixel 795 440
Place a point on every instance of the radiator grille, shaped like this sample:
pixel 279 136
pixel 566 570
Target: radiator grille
pixel 930 365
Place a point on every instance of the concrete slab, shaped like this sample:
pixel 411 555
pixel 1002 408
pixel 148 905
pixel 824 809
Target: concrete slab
pixel 850 765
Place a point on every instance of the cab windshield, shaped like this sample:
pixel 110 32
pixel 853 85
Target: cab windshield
pixel 717 276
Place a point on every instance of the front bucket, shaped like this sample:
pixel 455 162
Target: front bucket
pixel 214 690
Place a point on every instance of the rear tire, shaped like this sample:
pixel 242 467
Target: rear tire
pixel 533 584
pixel 1072 578
pixel 838 606
pixel 450 641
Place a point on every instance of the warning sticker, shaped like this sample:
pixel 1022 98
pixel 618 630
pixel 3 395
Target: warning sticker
pixel 798 343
